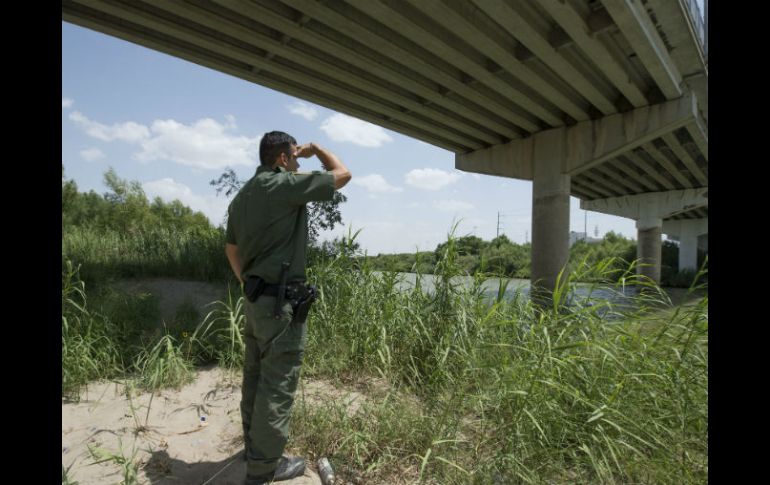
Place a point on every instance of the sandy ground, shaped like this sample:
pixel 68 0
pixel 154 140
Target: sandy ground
pixel 161 435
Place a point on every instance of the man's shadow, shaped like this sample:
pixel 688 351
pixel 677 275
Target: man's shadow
pixel 162 469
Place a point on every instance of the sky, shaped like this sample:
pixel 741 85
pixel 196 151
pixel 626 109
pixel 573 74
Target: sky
pixel 174 126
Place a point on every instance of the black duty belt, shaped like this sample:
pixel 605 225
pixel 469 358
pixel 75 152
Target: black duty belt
pixel 291 289
pixel 256 286
pixel 298 293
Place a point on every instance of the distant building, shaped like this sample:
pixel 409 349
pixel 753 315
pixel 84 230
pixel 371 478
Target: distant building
pixel 575 236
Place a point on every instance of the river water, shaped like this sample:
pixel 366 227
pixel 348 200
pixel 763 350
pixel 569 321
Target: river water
pixel 616 295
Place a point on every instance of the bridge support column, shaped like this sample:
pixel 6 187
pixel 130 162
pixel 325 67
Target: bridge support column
pixel 648 247
pixel 649 210
pixel 688 247
pixel 692 234
pixel 550 214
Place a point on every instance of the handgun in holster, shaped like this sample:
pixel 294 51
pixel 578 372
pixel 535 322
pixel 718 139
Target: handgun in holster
pixel 303 298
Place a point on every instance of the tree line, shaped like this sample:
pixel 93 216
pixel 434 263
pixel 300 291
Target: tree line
pixel 126 211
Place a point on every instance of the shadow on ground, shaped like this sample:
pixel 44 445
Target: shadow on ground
pixel 162 469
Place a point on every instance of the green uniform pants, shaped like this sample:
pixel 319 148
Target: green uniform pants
pixel 270 376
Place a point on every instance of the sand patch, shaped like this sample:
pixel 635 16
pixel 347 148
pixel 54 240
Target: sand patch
pixel 159 435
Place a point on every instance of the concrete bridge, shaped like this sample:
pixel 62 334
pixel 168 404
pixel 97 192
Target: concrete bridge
pixel 604 100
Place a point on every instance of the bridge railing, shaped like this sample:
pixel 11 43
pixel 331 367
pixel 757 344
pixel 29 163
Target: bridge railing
pixel 696 18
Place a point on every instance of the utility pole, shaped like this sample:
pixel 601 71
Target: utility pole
pixel 498 223
pixel 526 237
pixel 585 226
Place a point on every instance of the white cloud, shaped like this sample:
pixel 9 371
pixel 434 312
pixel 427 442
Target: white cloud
pixel 452 205
pixel 304 110
pixel 343 128
pixel 167 189
pixel 129 131
pixel 204 144
pixel 375 184
pixel 430 178
pixel 91 154
pixel 66 103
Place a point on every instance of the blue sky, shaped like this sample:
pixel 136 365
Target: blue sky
pixel 174 126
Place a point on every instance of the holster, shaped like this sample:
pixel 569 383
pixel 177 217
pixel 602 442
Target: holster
pixel 254 287
pixel 301 301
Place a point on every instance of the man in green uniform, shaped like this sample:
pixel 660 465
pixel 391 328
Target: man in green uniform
pixel 265 245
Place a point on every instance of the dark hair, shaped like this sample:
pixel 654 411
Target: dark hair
pixel 273 144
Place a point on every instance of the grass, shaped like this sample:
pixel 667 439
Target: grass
pixel 128 464
pixel 479 389
pixel 89 350
pixel 219 336
pixel 163 365
pixel 158 251
pixel 583 391
pixel 65 479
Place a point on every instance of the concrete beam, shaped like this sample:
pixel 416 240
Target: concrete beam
pixel 637 28
pixel 657 205
pixel 601 184
pixel 537 40
pixel 591 143
pixel 584 32
pixel 525 111
pixel 626 166
pixel 699 134
pixel 615 175
pixel 384 68
pixel 658 177
pixel 513 159
pixel 458 18
pixel 687 160
pixel 587 144
pixel 675 227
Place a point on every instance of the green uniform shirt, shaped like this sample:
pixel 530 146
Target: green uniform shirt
pixel 267 220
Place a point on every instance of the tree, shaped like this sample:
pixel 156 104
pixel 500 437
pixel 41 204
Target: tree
pixel 128 203
pixel 125 208
pixel 228 182
pixel 69 197
pixel 465 246
pixel 500 240
pixel 321 215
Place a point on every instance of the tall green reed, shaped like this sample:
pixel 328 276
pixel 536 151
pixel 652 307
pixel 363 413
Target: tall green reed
pixel 153 251
pixel 219 336
pixel 515 393
pixel 88 351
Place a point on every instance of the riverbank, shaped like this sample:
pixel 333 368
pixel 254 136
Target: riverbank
pixel 470 392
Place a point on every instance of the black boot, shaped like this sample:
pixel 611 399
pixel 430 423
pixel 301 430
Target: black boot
pixel 288 467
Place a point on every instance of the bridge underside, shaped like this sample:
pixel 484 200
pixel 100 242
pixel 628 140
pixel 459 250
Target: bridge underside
pixel 598 99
